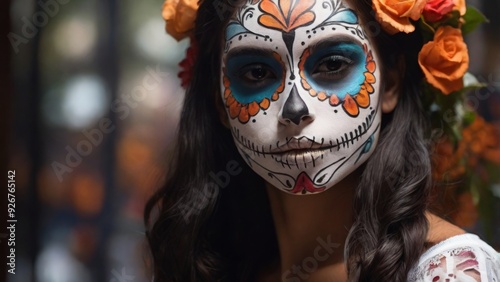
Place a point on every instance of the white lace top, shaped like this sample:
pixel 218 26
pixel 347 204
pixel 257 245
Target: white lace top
pixel 459 258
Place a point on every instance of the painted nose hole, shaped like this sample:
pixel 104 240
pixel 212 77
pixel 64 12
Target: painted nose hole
pixel 295 109
pixel 306 118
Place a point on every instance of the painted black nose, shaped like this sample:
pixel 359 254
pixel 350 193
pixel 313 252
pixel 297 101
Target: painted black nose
pixel 294 109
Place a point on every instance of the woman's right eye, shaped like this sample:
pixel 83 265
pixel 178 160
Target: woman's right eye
pixel 257 74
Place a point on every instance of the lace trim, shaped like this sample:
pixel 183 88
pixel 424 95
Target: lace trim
pixel 462 263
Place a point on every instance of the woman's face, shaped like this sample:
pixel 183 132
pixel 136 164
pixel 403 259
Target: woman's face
pixel 300 83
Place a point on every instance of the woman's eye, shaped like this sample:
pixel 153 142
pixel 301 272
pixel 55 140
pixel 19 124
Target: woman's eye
pixel 257 73
pixel 331 66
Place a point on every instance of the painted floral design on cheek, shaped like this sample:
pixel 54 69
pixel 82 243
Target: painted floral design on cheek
pixel 244 101
pixel 356 96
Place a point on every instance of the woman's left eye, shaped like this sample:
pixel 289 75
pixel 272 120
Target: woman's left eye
pixel 331 67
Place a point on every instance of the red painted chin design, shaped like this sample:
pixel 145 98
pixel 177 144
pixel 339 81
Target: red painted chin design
pixel 304 184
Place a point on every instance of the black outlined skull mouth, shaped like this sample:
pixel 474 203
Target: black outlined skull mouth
pixel 303 144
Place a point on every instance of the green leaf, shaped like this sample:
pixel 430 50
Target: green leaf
pixel 427 30
pixel 472 19
pixel 453 19
pixel 469 118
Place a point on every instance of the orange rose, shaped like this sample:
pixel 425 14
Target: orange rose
pixel 395 15
pixel 445 60
pixel 460 6
pixel 180 16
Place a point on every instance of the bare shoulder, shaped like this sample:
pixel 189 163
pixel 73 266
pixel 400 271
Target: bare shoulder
pixel 440 229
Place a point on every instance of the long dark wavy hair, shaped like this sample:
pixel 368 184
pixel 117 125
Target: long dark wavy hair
pixel 211 220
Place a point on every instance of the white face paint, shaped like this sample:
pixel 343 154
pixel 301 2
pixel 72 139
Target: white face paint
pixel 301 87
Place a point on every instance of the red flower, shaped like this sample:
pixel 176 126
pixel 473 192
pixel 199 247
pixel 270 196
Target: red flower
pixel 187 64
pixel 434 10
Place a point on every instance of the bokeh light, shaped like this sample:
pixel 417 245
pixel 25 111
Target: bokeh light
pixel 85 100
pixel 75 38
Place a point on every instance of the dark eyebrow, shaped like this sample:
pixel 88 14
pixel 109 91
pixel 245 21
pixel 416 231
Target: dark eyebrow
pixel 248 51
pixel 332 41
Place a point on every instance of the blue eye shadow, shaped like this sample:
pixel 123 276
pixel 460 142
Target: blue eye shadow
pixel 243 91
pixel 351 83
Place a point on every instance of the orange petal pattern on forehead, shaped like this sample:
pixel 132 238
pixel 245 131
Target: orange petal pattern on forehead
pixel 285 17
pixel 272 17
pixel 285 6
pixel 271 22
pixel 301 14
pixel 301 20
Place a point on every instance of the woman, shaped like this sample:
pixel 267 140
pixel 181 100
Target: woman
pixel 301 152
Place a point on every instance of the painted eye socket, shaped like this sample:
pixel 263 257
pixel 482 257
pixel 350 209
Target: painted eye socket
pixel 332 67
pixel 257 75
pixel 253 74
pixel 335 68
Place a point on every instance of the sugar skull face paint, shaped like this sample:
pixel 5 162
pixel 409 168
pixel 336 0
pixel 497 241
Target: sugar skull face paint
pixel 300 83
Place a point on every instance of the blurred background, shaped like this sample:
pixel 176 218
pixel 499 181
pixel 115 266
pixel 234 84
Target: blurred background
pixel 91 98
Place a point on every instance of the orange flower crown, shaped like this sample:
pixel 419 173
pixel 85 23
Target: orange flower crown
pixel 444 61
pixel 444 58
